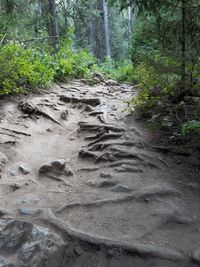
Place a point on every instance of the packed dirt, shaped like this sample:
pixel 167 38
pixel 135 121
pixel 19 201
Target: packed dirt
pixel 85 184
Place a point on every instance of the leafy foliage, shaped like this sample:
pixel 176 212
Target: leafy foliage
pixel 23 68
pixel 122 71
pixel 191 127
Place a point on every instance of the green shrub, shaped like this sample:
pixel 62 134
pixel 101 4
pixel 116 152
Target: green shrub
pixel 121 71
pixel 70 62
pixel 191 127
pixel 21 68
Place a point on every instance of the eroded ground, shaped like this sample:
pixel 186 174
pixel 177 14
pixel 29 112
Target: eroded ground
pixel 109 195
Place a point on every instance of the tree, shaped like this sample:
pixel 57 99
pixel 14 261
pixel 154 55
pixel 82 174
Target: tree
pixel 106 28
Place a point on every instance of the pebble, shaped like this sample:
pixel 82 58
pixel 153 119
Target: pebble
pixel 121 189
pixel 24 169
pixel 27 211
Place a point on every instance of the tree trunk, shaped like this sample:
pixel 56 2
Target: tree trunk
pixel 91 34
pixel 53 26
pixel 183 47
pixel 106 28
pixel 129 27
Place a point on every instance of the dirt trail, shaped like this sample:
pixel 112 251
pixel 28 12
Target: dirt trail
pixel 73 163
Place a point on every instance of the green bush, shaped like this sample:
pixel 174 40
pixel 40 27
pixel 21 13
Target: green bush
pixel 22 68
pixel 191 127
pixel 69 62
pixel 120 71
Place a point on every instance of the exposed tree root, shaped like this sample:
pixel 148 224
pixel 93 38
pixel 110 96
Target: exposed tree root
pixel 102 118
pixel 57 179
pixel 90 101
pixel 95 113
pixel 88 169
pixel 102 137
pixel 149 192
pixel 29 108
pixel 92 126
pixel 102 145
pixel 72 89
pixel 128 168
pixel 12 135
pixel 15 131
pixel 108 246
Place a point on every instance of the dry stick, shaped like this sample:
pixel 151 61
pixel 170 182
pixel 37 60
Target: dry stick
pixel 160 191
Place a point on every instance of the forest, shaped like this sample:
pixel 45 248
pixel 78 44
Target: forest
pixel 99 133
pixel 154 44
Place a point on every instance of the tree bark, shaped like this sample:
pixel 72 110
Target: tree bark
pixel 91 34
pixel 53 26
pixel 129 27
pixel 106 28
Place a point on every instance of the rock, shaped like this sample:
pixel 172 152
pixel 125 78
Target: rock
pixel 101 183
pixel 56 167
pixel 105 175
pixel 88 108
pixel 23 244
pixel 121 189
pixel 27 211
pixel 24 169
pixel 64 114
pixel 3 160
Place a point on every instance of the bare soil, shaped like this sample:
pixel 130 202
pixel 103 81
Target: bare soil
pixel 131 201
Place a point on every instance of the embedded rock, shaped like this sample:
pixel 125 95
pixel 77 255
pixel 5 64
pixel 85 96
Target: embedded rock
pixel 57 167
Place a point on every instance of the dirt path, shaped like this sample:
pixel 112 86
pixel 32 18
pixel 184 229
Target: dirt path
pixel 74 164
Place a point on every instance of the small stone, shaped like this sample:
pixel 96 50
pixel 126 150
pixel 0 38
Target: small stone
pixel 105 175
pixel 101 183
pixel 49 130
pixel 88 108
pixel 24 169
pixel 121 189
pixel 64 114
pixel 27 211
